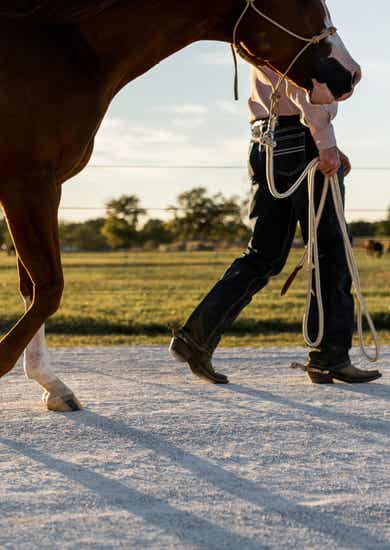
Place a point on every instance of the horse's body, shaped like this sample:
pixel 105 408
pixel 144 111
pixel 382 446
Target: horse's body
pixel 61 63
pixel 374 248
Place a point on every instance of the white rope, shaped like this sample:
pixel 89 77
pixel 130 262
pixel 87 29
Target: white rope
pixel 313 40
pixel 312 255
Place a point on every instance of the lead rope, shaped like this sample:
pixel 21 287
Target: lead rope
pixel 312 255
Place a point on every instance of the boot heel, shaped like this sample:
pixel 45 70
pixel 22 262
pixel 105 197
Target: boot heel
pixel 317 376
pixel 179 351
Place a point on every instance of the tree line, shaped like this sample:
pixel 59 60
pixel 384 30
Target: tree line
pixel 197 216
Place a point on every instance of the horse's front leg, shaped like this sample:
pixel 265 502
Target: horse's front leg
pixel 36 362
pixel 31 209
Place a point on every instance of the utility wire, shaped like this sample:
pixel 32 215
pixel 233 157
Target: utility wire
pixel 176 209
pixel 205 167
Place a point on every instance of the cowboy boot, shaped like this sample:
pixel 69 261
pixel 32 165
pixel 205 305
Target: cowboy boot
pixel 344 372
pixel 185 350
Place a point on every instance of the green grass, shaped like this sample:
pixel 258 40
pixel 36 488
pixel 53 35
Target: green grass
pixel 130 298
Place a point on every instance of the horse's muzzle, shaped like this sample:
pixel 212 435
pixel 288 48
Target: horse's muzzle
pixel 333 82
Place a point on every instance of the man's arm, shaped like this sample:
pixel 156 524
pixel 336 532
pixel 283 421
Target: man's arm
pixel 319 118
pixel 331 160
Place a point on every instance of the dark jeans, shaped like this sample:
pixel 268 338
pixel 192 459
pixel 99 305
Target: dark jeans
pixel 273 224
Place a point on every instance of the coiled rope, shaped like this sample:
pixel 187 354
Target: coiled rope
pixel 311 255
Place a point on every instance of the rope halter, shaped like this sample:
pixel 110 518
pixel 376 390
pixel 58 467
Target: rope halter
pixel 236 47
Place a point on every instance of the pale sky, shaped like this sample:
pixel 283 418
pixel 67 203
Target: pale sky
pixel 182 112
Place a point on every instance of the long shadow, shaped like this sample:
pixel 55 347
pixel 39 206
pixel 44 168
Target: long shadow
pixel 362 422
pixel 139 265
pixel 250 491
pixel 372 389
pixel 199 533
pixel 214 398
pixel 87 325
pixel 275 416
pixel 378 426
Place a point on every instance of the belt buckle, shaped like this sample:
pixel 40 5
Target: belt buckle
pixel 257 129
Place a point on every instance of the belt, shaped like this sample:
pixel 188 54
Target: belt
pixel 260 125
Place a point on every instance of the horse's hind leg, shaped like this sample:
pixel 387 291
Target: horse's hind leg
pixel 36 360
pixel 31 212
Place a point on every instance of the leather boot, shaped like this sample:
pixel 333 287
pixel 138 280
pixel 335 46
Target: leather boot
pixel 184 349
pixel 345 372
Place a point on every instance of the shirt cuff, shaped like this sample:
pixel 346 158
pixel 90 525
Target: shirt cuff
pixel 324 138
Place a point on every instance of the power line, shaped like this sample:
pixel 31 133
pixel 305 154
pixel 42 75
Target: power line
pixel 175 209
pixel 207 167
pixel 128 210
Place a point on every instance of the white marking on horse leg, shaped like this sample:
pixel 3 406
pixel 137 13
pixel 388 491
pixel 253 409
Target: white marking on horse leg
pixel 36 359
pixel 57 395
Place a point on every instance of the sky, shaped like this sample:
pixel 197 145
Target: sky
pixel 182 112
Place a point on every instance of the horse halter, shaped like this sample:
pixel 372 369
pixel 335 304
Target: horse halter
pixel 248 57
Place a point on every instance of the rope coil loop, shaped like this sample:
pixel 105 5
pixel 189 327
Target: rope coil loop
pixel 311 256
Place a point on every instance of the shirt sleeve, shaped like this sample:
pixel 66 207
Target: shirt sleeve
pixel 318 118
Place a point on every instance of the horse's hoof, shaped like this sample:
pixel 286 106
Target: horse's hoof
pixel 65 403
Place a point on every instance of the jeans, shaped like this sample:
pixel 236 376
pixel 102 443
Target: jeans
pixel 273 224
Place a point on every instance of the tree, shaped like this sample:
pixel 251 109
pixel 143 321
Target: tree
pixel 202 218
pixel 120 227
pixel 83 235
pixel 6 242
pixel 127 208
pixel 156 232
pixel 118 233
pixel 382 228
pixel 361 228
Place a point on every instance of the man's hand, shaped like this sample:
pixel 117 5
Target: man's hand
pixel 345 162
pixel 330 161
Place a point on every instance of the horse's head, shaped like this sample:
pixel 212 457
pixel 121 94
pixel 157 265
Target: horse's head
pixel 326 69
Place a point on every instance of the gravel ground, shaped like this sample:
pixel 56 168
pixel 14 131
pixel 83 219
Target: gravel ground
pixel 158 459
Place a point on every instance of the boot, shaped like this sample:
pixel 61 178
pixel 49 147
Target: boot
pixel 185 350
pixel 345 372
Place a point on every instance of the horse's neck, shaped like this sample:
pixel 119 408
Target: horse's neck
pixel 133 36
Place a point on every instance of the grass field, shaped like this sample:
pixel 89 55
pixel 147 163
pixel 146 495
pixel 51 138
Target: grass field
pixel 130 298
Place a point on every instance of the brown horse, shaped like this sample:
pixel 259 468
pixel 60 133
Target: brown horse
pixel 374 248
pixel 61 64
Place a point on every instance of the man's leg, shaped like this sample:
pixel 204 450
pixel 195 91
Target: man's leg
pixel 333 352
pixel 335 280
pixel 273 228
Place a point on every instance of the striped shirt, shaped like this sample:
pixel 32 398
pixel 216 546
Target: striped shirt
pixel 294 101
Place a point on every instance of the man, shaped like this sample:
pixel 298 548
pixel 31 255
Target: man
pixel 304 132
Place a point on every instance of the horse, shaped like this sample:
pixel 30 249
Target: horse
pixel 374 248
pixel 61 64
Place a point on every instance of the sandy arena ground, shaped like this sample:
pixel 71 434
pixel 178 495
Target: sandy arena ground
pixel 159 460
